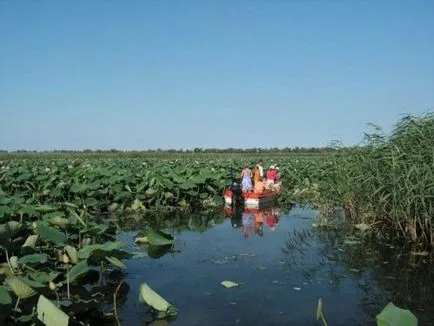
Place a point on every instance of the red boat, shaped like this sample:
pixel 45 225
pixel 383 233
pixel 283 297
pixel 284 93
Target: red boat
pixel 251 199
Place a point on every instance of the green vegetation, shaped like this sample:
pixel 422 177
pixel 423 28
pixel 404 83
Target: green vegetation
pixel 390 315
pixel 389 182
pixel 59 216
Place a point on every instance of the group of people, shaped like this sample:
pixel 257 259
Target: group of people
pixel 259 181
pixel 253 223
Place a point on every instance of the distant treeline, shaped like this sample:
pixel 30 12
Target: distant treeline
pixel 298 150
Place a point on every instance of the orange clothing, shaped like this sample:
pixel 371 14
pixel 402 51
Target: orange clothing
pixel 256 175
pixel 259 187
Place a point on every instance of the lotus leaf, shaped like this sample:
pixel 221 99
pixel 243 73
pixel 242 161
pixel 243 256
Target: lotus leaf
pixel 77 271
pixel 49 233
pixel 33 259
pixel 392 315
pixel 49 314
pixel 159 238
pixel 21 289
pixel 5 297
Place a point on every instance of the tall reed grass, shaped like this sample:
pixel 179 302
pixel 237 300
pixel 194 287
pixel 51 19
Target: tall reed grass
pixel 389 181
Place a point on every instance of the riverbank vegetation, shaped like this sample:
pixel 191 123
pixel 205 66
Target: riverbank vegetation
pixel 59 215
pixel 388 184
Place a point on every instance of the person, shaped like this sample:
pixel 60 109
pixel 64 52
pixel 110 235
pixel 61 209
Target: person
pixel 248 224
pixel 246 183
pixel 259 171
pixel 259 221
pixel 271 175
pixel 277 182
pixel 259 187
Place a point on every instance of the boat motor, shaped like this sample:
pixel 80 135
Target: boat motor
pixel 237 194
pixel 237 216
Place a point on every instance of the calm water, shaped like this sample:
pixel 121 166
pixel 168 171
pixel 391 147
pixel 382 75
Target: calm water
pixel 285 266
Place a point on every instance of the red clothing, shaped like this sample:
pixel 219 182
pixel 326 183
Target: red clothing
pixel 271 221
pixel 272 175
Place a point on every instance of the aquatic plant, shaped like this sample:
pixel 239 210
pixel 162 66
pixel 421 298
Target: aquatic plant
pixel 388 182
pixel 390 315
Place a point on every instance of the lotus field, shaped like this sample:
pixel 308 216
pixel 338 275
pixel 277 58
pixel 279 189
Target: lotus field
pixel 59 217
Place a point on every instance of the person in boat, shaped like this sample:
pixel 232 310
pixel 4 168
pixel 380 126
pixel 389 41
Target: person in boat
pixel 259 187
pixel 259 221
pixel 271 176
pixel 248 224
pixel 277 182
pixel 246 175
pixel 259 171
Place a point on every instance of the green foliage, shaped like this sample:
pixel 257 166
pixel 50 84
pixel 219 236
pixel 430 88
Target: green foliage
pixel 390 180
pixel 392 315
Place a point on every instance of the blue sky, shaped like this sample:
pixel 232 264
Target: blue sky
pixel 184 74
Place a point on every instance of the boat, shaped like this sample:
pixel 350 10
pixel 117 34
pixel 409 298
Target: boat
pixel 268 215
pixel 251 199
pixel 228 211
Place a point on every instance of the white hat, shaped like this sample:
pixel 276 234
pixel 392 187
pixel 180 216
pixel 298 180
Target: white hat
pixel 272 167
pixel 277 168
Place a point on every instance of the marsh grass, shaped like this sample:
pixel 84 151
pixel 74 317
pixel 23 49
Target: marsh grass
pixel 389 181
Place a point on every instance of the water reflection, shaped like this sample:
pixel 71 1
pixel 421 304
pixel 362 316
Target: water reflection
pixel 381 272
pixel 285 266
pixel 252 220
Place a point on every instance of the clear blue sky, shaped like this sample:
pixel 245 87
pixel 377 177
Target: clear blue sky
pixel 180 74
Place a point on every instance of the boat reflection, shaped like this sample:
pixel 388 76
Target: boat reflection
pixel 252 220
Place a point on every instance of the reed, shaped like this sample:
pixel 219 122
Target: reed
pixel 389 181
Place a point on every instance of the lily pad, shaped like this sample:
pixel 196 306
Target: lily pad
pixel 229 284
pixel 152 298
pixel 141 240
pixel 392 315
pixel 159 238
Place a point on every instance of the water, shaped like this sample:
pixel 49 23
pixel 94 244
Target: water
pixel 284 270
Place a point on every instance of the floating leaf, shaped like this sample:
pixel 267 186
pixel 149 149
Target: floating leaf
pixel 158 251
pixel 5 297
pixel 152 298
pixel 141 240
pixel 229 284
pixel 392 315
pixel 49 314
pixel 33 259
pixel 116 262
pixel 21 289
pixel 138 254
pixel 159 238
